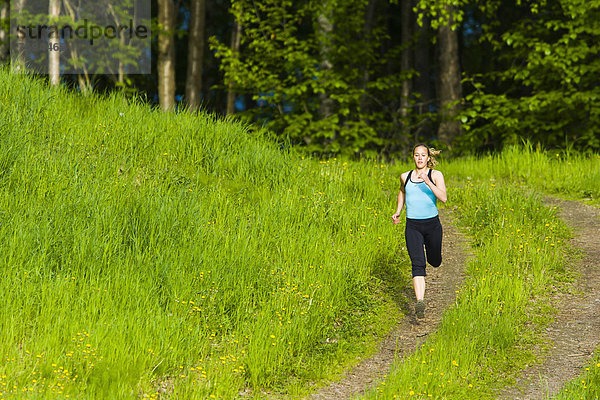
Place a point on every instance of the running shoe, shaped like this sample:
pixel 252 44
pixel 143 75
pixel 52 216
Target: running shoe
pixel 420 309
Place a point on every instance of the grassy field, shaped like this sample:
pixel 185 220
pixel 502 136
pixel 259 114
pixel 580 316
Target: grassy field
pixel 145 252
pixel 567 173
pixel 148 255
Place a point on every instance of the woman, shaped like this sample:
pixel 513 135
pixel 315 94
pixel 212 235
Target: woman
pixel 420 190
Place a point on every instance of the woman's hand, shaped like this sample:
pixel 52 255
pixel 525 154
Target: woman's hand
pixel 396 218
pixel 425 178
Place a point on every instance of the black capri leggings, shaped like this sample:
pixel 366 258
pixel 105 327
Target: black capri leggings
pixel 421 232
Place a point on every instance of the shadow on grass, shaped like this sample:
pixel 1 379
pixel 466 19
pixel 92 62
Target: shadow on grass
pixel 393 275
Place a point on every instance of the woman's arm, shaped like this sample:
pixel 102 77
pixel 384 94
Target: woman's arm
pixel 400 198
pixel 438 186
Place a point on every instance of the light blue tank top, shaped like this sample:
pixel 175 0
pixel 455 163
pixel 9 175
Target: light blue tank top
pixel 421 203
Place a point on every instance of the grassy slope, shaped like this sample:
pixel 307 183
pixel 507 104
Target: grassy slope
pixel 144 252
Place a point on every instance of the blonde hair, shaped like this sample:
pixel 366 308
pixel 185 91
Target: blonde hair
pixel 431 152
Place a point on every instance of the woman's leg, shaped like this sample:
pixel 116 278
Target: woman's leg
pixel 433 243
pixel 419 285
pixel 414 245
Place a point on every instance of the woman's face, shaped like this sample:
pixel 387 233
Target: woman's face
pixel 421 157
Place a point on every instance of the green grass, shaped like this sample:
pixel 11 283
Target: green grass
pixel 146 252
pixel 562 172
pixel 153 255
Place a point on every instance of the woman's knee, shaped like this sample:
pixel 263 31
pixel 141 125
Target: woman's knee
pixel 435 262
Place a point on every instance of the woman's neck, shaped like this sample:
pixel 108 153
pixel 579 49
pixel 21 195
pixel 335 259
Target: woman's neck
pixel 418 170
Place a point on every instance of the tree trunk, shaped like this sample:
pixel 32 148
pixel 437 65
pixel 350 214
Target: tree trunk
pixel 4 24
pixel 325 30
pixel 166 54
pixel 236 35
pixel 193 83
pixel 16 52
pixel 367 31
pixel 406 59
pixel 122 44
pixel 450 86
pixel 422 80
pixel 54 44
pixel 83 77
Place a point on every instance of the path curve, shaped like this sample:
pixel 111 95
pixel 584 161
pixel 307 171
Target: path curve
pixel 404 339
pixel 575 332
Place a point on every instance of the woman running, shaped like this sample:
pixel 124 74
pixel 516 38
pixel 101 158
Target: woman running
pixel 420 190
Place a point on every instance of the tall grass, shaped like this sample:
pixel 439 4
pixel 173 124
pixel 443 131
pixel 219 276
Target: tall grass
pixel 146 253
pixel 563 172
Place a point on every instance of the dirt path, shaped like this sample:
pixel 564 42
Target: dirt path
pixel 575 333
pixel 410 332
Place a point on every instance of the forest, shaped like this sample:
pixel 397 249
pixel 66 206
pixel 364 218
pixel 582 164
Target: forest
pixel 353 77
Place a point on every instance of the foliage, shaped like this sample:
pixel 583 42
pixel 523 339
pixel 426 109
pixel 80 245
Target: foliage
pixel 84 48
pixel 441 12
pixel 308 78
pixel 328 75
pixel 544 87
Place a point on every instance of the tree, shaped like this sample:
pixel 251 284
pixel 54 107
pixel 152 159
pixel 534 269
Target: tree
pixel 406 59
pixel 126 53
pixel 422 80
pixel 449 80
pixel 318 72
pixel 193 86
pixel 166 54
pixel 83 78
pixel 545 84
pixel 324 38
pixel 236 35
pixel 370 18
pixel 17 44
pixel 446 17
pixel 4 31
pixel 54 44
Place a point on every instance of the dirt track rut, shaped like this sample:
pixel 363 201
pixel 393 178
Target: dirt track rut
pixel 575 332
pixel 409 333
